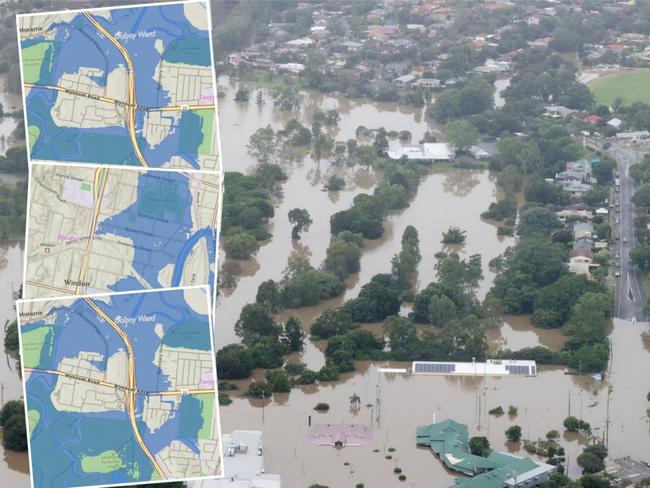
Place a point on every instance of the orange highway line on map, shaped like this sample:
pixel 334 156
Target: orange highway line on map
pixel 115 101
pixel 130 110
pixel 130 392
pixel 100 174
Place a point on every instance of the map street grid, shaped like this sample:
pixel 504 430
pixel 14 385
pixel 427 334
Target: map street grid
pixel 120 388
pixel 95 228
pixel 124 207
pixel 126 86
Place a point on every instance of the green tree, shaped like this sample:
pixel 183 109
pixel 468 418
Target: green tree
pixel 293 334
pixel 234 361
pixel 242 95
pixel 262 144
pixel 11 338
pixel 401 332
pixel 255 322
pixel 537 221
pixel 461 134
pixel 641 257
pixel 519 152
pixel 301 221
pixel 344 254
pixel 333 321
pixel 268 294
pixel 240 246
pixel 441 310
pixel 513 433
pixel 642 197
pixel 454 235
pixel 12 421
pixel 480 446
pixel 278 381
pixel 287 98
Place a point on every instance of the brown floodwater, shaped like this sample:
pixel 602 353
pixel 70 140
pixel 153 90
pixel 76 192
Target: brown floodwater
pixel 9 103
pixel 517 332
pixel 14 467
pixel 396 404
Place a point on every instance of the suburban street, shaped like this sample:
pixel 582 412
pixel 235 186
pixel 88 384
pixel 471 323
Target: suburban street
pixel 630 296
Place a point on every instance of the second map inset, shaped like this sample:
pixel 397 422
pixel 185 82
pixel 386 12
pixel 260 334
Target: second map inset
pixel 93 229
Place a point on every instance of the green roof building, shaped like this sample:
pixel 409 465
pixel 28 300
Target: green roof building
pixel 450 441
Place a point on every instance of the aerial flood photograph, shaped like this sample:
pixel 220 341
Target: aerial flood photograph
pixel 432 265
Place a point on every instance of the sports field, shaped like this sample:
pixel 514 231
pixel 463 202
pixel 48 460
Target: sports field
pixel 633 86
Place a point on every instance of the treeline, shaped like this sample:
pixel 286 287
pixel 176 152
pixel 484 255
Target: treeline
pixel 15 160
pixel 12 421
pixel 13 206
pixel 534 280
pixel 247 207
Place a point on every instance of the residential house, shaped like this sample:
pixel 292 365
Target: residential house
pixel 633 136
pixel 573 214
pixel 581 263
pixel 575 188
pixel 431 83
pixel 404 81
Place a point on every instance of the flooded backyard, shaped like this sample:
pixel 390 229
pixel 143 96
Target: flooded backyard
pixel 396 404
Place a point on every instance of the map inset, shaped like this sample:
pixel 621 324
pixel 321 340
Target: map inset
pixel 127 86
pixel 95 229
pixel 120 388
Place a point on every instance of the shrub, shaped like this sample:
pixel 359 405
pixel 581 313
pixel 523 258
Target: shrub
pixel 497 411
pixel 322 407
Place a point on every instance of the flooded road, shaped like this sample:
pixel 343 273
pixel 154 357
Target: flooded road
pixel 14 468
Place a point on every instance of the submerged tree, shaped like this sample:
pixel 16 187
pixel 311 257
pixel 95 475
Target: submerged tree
pixel 301 221
pixel 454 236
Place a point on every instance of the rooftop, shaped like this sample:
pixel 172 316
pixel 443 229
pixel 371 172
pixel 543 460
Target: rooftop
pixel 243 463
pixel 449 439
pixel 432 151
pixel 492 367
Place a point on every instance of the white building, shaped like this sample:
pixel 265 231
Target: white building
pixel 243 463
pixel 430 151
pixel 491 367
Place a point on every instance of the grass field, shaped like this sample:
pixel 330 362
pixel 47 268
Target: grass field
pixel 633 86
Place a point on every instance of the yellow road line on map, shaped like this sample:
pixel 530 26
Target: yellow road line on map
pixel 99 186
pixel 131 386
pixel 130 108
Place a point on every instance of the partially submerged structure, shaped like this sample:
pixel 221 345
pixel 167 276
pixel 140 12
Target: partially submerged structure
pixel 428 152
pixel 340 435
pixel 243 463
pixel 491 367
pixel 450 441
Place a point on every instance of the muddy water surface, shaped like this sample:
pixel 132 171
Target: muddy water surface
pixel 10 103
pixel 13 466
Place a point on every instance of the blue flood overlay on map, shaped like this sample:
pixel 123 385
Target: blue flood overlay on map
pixel 77 44
pixel 61 440
pixel 160 225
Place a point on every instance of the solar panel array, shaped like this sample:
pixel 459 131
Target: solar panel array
pixel 433 367
pixel 516 369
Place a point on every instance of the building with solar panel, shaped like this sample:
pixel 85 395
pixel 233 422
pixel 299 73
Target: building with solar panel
pixel 491 367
